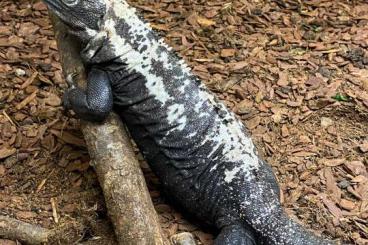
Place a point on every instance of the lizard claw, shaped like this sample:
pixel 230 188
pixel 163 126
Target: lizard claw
pixel 70 79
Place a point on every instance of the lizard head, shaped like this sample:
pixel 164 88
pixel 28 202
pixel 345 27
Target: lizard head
pixel 83 17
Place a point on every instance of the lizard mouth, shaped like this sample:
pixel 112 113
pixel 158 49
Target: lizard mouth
pixel 66 16
pixel 55 7
pixel 52 4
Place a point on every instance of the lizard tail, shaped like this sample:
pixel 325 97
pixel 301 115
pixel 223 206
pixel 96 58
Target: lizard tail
pixel 278 228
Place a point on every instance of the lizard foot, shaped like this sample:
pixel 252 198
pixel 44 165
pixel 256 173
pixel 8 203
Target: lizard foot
pixel 70 79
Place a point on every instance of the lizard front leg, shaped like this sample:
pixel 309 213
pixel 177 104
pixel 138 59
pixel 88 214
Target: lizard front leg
pixel 96 102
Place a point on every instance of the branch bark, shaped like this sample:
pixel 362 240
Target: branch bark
pixel 18 230
pixel 127 198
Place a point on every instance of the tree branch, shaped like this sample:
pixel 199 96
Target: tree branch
pixel 18 230
pixel 127 199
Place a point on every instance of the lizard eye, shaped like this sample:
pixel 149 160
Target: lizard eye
pixel 70 2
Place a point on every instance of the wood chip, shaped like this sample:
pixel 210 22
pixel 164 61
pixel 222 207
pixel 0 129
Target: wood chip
pixel 228 52
pixel 6 152
pixel 326 122
pixel 332 162
pixel 283 79
pixel 69 138
pixel 29 81
pixel 346 204
pixel 205 22
pixel 27 100
pixel 364 147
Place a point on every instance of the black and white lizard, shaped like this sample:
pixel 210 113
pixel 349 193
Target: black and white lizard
pixel 201 152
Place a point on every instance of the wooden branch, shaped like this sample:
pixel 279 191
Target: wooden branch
pixel 18 230
pixel 127 198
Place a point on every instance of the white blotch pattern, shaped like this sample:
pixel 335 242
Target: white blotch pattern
pixel 135 61
pixel 230 175
pixel 237 146
pixel 139 61
pixel 176 114
pixel 91 32
pixel 228 132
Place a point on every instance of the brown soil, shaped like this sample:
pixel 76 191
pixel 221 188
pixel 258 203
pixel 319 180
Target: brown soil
pixel 294 71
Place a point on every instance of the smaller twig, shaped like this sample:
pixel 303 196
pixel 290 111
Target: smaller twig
pixel 18 230
pixel 9 119
pixel 43 182
pixel 54 210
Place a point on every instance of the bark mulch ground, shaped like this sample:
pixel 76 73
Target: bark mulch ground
pixel 294 71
